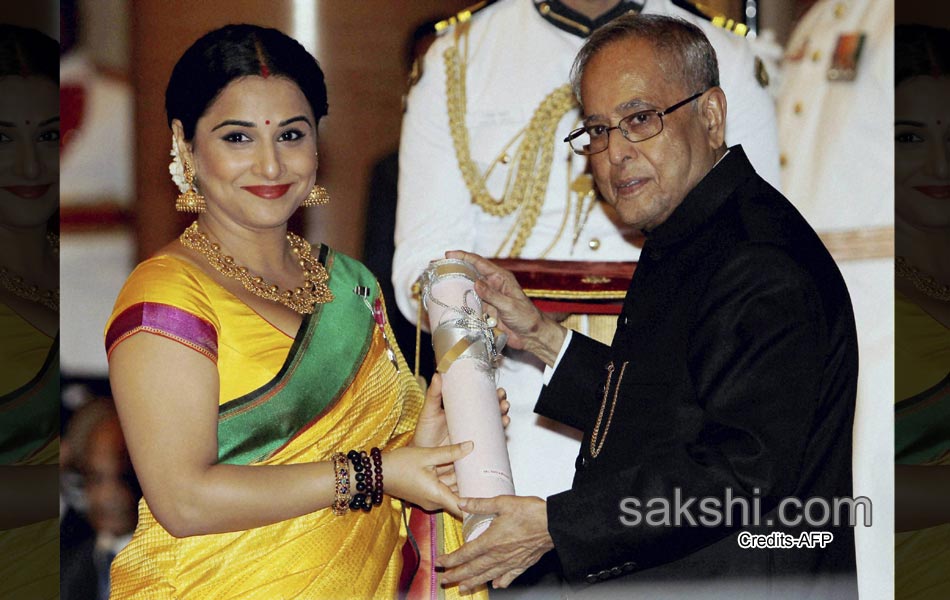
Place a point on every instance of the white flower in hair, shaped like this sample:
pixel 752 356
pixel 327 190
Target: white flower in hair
pixel 177 168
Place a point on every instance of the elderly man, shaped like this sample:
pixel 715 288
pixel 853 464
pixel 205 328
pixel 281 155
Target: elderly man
pixel 481 168
pixel 731 378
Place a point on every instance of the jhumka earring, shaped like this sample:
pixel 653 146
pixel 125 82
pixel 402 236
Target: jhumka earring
pixel 318 196
pixel 190 200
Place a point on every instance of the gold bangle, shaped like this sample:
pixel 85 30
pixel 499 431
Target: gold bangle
pixel 341 470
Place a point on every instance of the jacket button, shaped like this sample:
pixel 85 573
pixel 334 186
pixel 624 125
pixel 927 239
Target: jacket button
pixel 580 462
pixel 615 571
pixel 603 575
pixel 629 566
pixel 591 578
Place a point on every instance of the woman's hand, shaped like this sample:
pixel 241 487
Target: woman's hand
pixel 410 474
pixel 431 429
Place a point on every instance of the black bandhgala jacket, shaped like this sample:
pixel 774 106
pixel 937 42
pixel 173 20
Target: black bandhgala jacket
pixel 738 354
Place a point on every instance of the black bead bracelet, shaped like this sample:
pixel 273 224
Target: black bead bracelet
pixel 368 478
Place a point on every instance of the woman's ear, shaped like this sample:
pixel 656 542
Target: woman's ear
pixel 185 148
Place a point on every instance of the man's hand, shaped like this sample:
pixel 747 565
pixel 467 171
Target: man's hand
pixel 516 539
pixel 527 327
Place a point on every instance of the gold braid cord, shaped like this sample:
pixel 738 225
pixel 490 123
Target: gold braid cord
pixel 533 158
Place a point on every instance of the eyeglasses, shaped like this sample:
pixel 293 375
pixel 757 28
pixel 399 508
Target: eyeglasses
pixel 637 127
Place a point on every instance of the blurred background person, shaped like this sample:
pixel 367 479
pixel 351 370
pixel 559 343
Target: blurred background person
pixel 834 111
pixel 922 349
pixel 112 493
pixel 77 424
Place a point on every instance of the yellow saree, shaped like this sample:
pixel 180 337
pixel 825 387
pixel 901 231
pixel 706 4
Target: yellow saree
pixel 922 436
pixel 29 428
pixel 283 401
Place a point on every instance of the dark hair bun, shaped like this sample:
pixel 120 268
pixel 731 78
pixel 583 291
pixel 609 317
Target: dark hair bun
pixel 236 51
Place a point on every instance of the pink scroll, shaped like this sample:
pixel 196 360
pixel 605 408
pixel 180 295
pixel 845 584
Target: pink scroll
pixel 465 354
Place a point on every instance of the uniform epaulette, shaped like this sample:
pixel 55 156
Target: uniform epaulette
pixel 717 19
pixel 462 16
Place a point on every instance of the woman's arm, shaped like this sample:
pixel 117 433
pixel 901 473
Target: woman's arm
pixel 167 398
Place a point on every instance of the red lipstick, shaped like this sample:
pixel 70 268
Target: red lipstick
pixel 28 192
pixel 941 192
pixel 268 191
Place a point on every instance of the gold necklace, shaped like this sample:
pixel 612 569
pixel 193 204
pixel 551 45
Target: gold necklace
pixel 302 299
pixel 33 293
pixel 924 283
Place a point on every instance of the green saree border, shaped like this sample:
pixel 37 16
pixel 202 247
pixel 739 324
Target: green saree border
pixel 29 415
pixel 922 425
pixel 51 357
pixel 314 376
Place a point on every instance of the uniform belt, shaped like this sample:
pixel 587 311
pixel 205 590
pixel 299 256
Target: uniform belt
pixel 859 244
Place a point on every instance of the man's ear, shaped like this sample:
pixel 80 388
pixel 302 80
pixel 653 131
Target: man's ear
pixel 185 149
pixel 712 109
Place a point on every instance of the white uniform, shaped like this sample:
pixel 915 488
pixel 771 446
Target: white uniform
pixel 515 59
pixel 836 139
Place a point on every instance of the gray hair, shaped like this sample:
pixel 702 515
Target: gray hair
pixel 681 48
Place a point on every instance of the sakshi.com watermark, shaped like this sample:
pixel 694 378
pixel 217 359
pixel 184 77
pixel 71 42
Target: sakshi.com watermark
pixel 742 510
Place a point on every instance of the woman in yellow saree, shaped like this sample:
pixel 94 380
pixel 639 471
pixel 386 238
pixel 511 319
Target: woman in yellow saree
pixel 240 402
pixel 29 314
pixel 922 317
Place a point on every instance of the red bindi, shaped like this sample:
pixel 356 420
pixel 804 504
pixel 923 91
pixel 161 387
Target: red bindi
pixel 265 72
pixel 267 122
